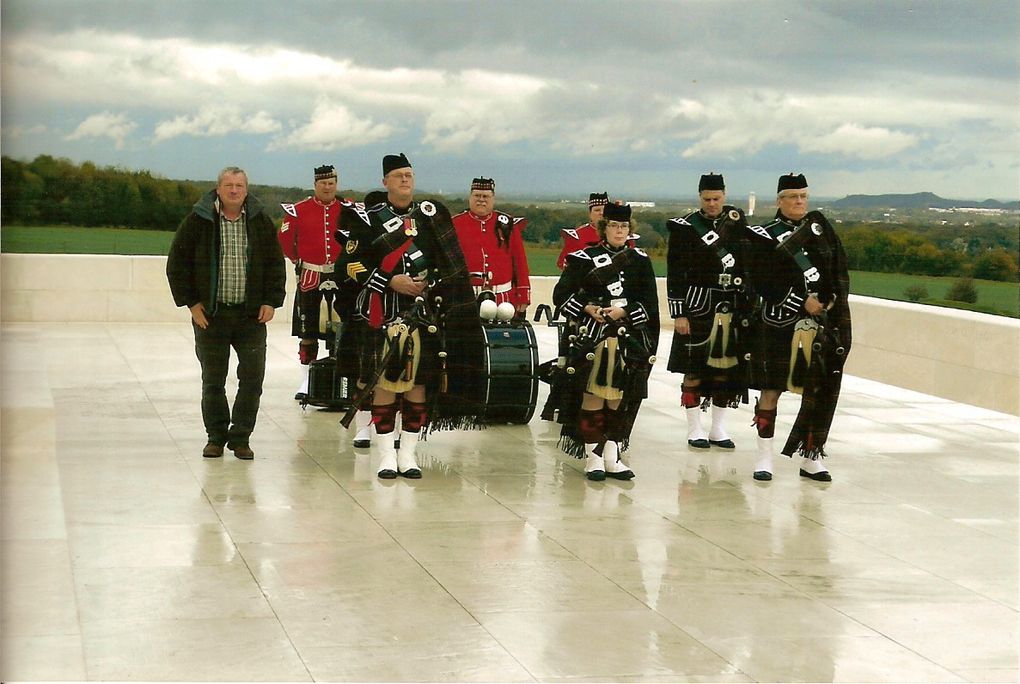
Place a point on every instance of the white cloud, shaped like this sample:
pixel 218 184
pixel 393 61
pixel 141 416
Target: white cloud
pixel 116 127
pixel 217 120
pixel 852 140
pixel 477 107
pixel 731 126
pixel 619 102
pixel 454 109
pixel 331 127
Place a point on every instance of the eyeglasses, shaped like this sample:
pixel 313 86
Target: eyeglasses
pixel 794 195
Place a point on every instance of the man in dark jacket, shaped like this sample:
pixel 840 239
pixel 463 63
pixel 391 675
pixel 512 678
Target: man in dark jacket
pixel 227 267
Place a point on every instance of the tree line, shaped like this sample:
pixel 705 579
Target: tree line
pixel 52 191
pixel 988 252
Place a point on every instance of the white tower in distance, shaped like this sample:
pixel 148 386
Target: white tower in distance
pixel 750 203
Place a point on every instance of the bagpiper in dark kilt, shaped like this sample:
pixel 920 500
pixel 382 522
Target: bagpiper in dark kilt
pixel 793 264
pixel 706 297
pixel 400 336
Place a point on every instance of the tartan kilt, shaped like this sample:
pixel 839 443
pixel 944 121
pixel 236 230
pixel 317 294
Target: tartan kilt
pixel 689 354
pixel 370 344
pixel 770 354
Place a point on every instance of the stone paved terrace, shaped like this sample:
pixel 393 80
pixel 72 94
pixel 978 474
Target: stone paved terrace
pixel 126 556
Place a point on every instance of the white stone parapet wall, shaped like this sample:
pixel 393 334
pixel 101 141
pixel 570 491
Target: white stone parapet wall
pixel 969 357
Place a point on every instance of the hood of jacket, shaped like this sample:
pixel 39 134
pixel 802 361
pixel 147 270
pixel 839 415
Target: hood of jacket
pixel 205 206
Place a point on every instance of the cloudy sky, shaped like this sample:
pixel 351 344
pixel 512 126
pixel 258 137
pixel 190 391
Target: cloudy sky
pixel 555 96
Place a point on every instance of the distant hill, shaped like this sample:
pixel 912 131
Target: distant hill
pixel 917 200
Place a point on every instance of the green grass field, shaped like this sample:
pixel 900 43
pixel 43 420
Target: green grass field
pixel 71 240
pixel 993 297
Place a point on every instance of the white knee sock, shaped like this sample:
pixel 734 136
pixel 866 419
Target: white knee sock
pixel 694 428
pixel 363 422
pixel 384 443
pixel 405 455
pixel 765 449
pixel 718 432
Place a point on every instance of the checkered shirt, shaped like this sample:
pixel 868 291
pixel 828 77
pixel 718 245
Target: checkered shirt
pixel 233 255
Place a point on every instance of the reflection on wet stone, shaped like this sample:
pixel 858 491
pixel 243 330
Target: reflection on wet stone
pixel 121 544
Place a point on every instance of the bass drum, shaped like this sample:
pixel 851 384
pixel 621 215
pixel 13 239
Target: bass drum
pixel 501 372
pixel 326 387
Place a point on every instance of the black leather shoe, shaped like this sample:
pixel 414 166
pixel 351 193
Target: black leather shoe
pixel 388 474
pixel 361 443
pixel 625 475
pixel 596 475
pixel 698 443
pixel 723 443
pixel 763 475
pixel 300 396
pixel 411 474
pixel 817 477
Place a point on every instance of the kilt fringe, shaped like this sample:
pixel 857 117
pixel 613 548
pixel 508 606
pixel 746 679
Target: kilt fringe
pixel 801 448
pixel 571 445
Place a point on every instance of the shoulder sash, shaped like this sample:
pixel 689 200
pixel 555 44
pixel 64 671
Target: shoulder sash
pixel 707 232
pixel 790 239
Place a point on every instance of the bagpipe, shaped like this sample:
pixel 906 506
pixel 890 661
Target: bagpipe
pixel 634 344
pixel 579 344
pixel 828 347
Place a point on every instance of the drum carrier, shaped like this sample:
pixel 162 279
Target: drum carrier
pixel 326 387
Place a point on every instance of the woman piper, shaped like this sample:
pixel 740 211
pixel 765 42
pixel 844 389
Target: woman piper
pixel 607 294
pixel 797 265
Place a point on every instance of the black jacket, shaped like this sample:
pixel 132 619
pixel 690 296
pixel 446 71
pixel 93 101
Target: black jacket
pixel 192 266
pixel 598 275
pixel 696 248
pixel 781 281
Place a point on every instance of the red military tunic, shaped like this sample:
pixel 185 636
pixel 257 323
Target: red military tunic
pixel 501 268
pixel 575 239
pixel 308 236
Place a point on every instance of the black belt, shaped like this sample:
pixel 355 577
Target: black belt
pixel 224 305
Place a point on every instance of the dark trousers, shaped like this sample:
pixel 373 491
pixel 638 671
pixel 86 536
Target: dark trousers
pixel 231 328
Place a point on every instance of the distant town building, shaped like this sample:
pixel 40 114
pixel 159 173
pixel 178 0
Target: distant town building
pixel 972 210
pixel 642 205
pixel 750 203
